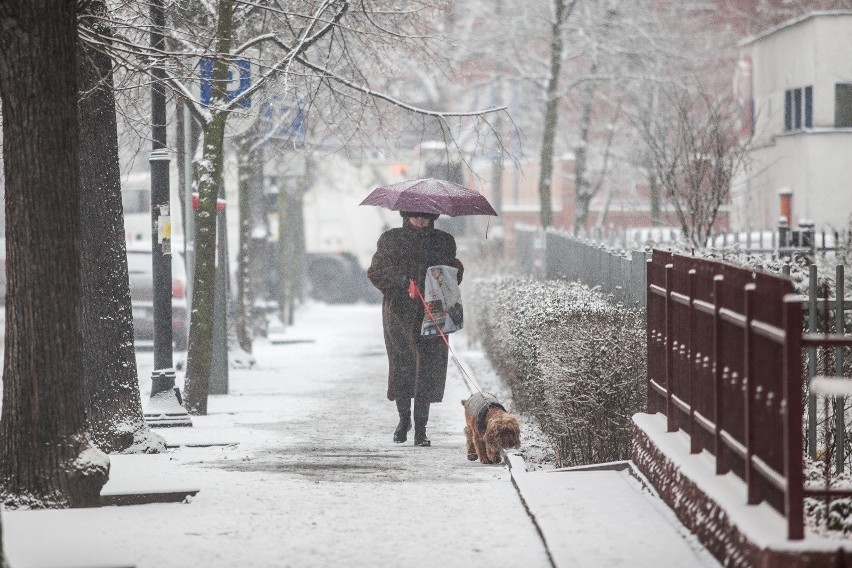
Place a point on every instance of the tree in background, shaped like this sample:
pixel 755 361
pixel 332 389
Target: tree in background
pixel 560 12
pixel 46 456
pixel 109 360
pixel 323 53
pixel 694 152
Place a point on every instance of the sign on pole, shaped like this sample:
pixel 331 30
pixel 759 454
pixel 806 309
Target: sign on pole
pixel 283 119
pixel 244 114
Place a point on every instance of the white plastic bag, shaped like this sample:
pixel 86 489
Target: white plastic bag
pixel 443 301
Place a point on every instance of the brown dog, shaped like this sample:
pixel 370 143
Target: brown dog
pixel 489 428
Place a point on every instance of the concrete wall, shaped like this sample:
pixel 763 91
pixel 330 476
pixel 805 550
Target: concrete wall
pixel 811 162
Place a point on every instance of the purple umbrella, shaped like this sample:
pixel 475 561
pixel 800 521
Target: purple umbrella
pixel 430 196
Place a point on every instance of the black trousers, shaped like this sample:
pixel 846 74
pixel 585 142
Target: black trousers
pixel 421 410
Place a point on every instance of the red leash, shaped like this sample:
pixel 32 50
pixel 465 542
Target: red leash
pixel 414 293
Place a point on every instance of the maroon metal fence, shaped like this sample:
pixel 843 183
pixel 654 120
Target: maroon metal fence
pixel 725 366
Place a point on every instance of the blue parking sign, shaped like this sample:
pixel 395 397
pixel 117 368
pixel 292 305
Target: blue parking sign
pixel 283 119
pixel 243 69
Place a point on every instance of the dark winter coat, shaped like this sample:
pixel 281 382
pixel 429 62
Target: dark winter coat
pixel 417 365
pixel 478 405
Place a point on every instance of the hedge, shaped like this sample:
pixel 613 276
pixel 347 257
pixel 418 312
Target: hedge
pixel 572 359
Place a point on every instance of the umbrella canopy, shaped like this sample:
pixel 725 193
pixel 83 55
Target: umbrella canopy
pixel 430 196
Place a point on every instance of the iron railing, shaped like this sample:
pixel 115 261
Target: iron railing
pixel 725 366
pixel 526 237
pixel 620 275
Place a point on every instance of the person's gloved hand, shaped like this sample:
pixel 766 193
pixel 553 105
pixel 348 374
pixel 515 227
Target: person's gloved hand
pixel 413 290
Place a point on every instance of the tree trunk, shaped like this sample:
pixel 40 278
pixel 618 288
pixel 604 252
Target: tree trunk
pixel 109 360
pixel 250 193
pixel 551 115
pixel 655 198
pixel 200 354
pixel 285 254
pixel 581 160
pixel 46 456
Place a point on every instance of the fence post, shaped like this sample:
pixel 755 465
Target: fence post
pixel 694 446
pixel 637 265
pixel 610 262
pixel 812 361
pixel 722 466
pixel 670 408
pixel 794 495
pixel 748 394
pixel 840 402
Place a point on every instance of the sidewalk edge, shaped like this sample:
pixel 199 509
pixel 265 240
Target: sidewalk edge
pixel 518 468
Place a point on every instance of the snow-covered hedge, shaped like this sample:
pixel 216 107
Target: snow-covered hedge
pixel 571 358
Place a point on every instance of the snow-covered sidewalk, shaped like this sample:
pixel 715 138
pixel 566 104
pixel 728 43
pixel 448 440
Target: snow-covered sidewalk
pixel 306 474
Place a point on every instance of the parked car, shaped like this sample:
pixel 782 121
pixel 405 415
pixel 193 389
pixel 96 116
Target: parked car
pixel 337 278
pixel 142 295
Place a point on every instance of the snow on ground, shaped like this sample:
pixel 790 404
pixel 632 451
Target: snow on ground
pixel 305 474
pixel 314 478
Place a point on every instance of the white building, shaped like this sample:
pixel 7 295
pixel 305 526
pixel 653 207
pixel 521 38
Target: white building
pixel 795 84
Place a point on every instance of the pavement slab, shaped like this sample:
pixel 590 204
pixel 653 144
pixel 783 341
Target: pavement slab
pixel 604 517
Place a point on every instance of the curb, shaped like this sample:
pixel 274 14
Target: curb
pixel 518 467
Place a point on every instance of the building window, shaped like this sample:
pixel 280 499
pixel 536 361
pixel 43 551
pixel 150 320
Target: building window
pixel 809 107
pixel 843 105
pixel 788 110
pixel 798 108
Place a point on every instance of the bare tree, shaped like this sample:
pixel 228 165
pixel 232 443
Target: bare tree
pixel 560 12
pixel 46 456
pixel 327 54
pixel 694 151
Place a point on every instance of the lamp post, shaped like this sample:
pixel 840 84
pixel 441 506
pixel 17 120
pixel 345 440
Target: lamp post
pixel 164 407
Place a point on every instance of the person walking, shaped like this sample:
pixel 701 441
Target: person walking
pixel 417 365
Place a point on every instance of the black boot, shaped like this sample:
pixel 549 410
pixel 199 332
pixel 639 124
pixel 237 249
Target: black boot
pixel 421 416
pixel 400 435
pixel 420 438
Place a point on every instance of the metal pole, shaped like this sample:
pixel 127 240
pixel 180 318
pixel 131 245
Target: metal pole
pixel 812 327
pixel 164 408
pixel 840 402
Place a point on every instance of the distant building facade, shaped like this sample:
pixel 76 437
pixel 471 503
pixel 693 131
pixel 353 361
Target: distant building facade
pixel 794 83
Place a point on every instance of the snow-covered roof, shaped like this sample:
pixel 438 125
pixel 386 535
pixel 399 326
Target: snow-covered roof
pixel 793 22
